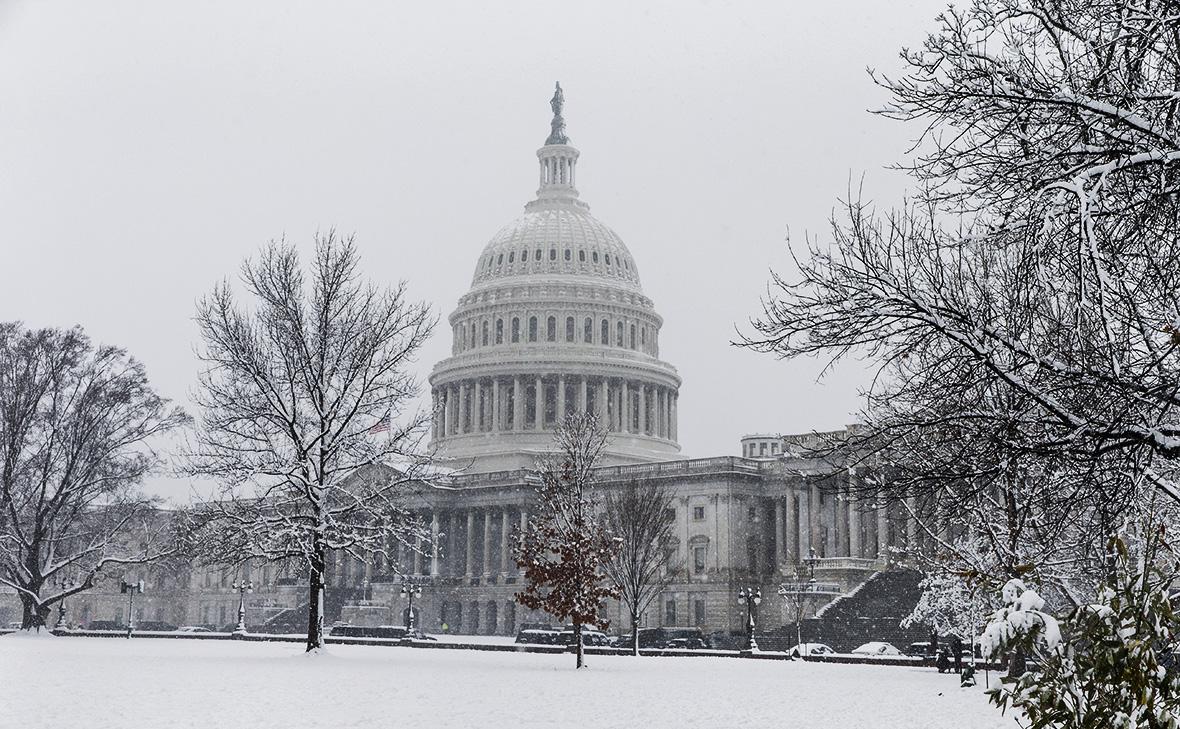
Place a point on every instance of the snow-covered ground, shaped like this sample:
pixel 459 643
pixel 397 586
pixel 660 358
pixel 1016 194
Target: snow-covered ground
pixel 166 684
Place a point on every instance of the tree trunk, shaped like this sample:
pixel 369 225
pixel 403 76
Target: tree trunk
pixel 578 645
pixel 634 633
pixel 315 599
pixel 33 616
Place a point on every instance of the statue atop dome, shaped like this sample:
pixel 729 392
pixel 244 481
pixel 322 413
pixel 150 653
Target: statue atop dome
pixel 557 132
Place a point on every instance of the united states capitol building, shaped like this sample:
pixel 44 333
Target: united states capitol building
pixel 556 320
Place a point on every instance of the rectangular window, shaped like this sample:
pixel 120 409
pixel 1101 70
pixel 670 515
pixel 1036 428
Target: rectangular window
pixel 698 513
pixel 698 560
pixel 698 611
pixel 670 612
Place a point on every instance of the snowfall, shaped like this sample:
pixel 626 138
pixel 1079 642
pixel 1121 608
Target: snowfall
pixel 93 683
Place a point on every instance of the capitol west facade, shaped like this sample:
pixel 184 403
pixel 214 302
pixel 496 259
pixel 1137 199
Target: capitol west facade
pixel 556 321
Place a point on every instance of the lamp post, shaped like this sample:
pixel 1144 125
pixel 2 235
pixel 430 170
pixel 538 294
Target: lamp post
pixel 62 582
pixel 130 588
pixel 411 588
pixel 242 586
pixel 750 597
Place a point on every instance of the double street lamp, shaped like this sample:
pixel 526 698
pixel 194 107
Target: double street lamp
pixel 242 586
pixel 750 597
pixel 411 588
pixel 130 588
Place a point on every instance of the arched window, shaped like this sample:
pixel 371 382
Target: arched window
pixel 569 329
pixel 473 335
pixel 515 329
pixel 532 328
pixel 568 254
pixel 588 334
pixel 643 337
pixel 537 257
pixel 619 335
pixel 499 331
pixel 551 329
pixel 511 256
pixel 485 333
pixel 582 256
pixel 462 337
pixel 594 256
pixel 605 332
pixel 607 259
pixel 632 336
pixel 552 254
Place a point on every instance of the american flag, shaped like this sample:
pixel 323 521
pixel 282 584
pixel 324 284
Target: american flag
pixel 382 425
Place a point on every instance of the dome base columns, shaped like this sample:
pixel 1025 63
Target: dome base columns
pixel 508 407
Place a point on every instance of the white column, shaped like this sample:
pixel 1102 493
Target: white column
pixel 675 412
pixel 560 398
pixel 517 404
pixel 434 561
pixel 882 531
pixel 497 419
pixel 582 392
pixel 539 406
pixel 464 409
pixel 804 522
pixel 791 532
pixel 446 408
pixel 505 549
pixel 779 534
pixel 603 418
pixel 854 527
pixel 642 425
pixel 624 407
pixel 487 541
pixel 470 542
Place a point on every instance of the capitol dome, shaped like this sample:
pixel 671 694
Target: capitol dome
pixel 555 321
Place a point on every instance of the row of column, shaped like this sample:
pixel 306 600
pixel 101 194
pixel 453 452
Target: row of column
pixel 538 402
pixel 486 532
pixel 838 524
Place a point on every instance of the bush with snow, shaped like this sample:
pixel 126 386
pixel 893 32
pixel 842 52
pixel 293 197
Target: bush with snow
pixel 1105 664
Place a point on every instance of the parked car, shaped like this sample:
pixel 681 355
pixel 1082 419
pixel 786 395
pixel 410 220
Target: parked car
pixel 106 625
pixel 193 629
pixel 921 649
pixel 876 648
pixel 389 632
pixel 155 625
pixel 589 637
pixel 539 636
pixel 810 649
pixel 14 626
pixel 660 637
pixel 688 643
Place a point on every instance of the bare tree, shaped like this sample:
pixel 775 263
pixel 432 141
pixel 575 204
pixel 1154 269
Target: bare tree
pixel 641 517
pixel 76 423
pixel 1035 343
pixel 564 549
pixel 306 416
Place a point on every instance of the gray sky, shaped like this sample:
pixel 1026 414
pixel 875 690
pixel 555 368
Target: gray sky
pixel 146 148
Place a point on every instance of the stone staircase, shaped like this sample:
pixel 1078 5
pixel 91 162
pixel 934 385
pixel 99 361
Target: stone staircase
pixel 871 611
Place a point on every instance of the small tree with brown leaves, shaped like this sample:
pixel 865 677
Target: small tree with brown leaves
pixel 640 515
pixel 564 550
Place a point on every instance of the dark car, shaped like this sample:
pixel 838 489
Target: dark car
pixel 921 649
pixel 688 643
pixel 539 636
pixel 106 625
pixel 387 632
pixel 155 625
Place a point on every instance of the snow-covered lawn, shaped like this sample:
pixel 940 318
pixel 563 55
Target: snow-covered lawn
pixel 65 683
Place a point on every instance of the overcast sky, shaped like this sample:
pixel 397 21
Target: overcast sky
pixel 146 148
